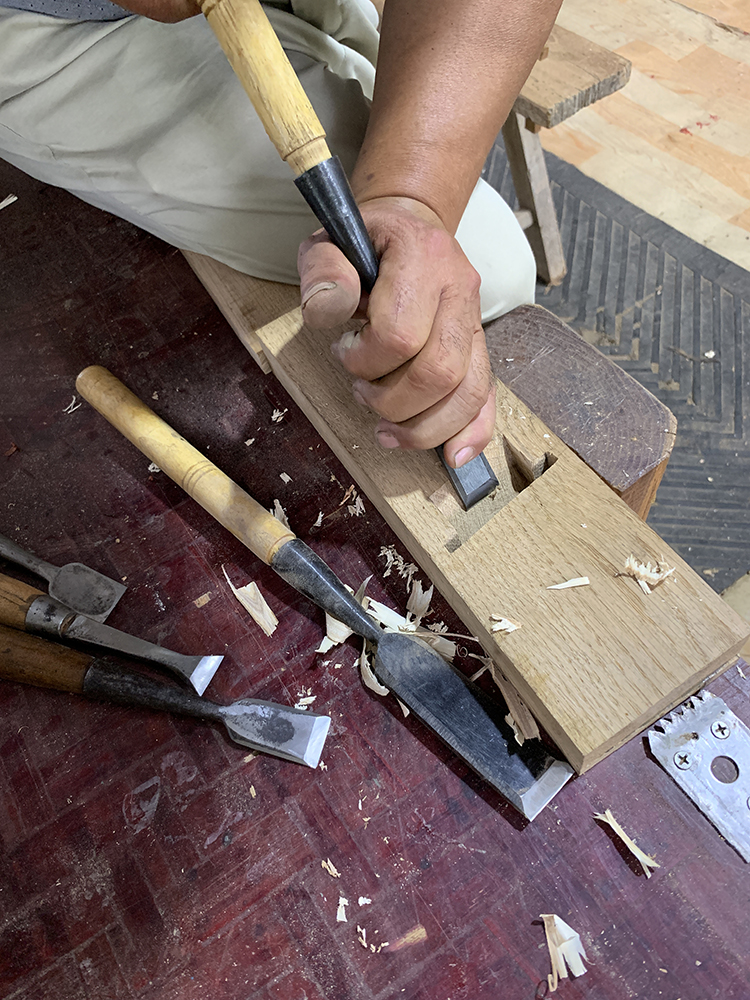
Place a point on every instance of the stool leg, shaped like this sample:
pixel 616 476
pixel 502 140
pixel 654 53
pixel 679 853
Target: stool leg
pixel 531 181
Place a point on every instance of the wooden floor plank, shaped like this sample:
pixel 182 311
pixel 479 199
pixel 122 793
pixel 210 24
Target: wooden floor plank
pixel 689 73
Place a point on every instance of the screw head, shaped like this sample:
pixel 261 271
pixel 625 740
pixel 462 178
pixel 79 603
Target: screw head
pixel 683 760
pixel 720 730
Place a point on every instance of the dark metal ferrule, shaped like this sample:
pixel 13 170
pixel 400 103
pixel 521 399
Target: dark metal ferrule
pixel 326 190
pixel 105 682
pixel 299 566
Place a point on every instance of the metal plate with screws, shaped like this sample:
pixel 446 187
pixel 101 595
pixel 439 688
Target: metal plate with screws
pixel 706 749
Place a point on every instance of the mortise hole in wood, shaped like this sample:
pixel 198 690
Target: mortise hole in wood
pixel 515 469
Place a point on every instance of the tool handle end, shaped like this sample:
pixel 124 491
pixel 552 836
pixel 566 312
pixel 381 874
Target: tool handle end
pixel 27 659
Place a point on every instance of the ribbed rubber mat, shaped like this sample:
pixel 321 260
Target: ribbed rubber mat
pixel 676 317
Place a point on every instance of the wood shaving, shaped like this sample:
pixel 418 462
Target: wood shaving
pixel 351 494
pixel 199 602
pixel 284 477
pixel 357 509
pixel 368 677
pixel 280 514
pixel 419 600
pixel 278 415
pixel 72 407
pixel 341 911
pixel 249 442
pixel 440 627
pixel 331 868
pixel 404 708
pixel 303 703
pixel 564 947
pixel 251 756
pixel 320 520
pixel 647 577
pixel 577 581
pixel 646 862
pixel 364 901
pixel 153 468
pixel 503 624
pixel 524 724
pixel 253 793
pixel 362 936
pixel 414 936
pixel 255 604
pixel 336 631
pixel 8 200
pixel 393 560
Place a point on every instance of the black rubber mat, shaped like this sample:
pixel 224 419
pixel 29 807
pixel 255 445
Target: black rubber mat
pixel 676 316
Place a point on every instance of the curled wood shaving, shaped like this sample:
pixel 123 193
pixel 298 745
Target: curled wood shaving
pixel 564 947
pixel 419 600
pixel 255 604
pixel 523 722
pixel 364 901
pixel 341 911
pixel 368 677
pixel 284 477
pixel 647 577
pixel 278 415
pixel 577 581
pixel 280 514
pixel 646 862
pixel 336 631
pixel 319 520
pixel 72 406
pixel 331 868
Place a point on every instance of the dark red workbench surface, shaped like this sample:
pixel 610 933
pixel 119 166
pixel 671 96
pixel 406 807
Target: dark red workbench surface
pixel 142 855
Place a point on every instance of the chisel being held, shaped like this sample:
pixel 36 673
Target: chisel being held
pixel 25 608
pixel 289 733
pixel 263 68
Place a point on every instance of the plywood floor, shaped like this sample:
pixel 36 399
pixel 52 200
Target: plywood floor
pixel 676 140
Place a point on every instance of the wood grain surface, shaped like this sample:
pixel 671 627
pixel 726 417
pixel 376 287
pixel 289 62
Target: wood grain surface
pixel 147 857
pixel 676 140
pixel 622 658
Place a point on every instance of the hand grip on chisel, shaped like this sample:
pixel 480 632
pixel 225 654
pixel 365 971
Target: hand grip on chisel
pixel 252 524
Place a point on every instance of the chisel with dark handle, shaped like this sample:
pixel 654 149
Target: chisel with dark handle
pixel 263 68
pixel 26 608
pixel 467 720
pixel 289 733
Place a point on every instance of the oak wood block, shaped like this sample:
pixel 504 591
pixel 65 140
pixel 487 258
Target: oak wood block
pixel 596 664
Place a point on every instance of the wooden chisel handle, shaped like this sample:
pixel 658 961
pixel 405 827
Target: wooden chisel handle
pixel 27 659
pixel 15 600
pixel 256 56
pixel 260 531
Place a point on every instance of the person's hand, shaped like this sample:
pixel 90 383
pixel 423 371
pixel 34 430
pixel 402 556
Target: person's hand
pixel 162 10
pixel 420 360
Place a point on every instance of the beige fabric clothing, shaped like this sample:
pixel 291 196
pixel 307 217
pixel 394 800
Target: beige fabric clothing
pixel 147 121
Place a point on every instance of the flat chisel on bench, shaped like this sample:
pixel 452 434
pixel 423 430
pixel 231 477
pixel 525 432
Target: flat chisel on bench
pixel 25 608
pixel 289 733
pixel 263 68
pixel 461 715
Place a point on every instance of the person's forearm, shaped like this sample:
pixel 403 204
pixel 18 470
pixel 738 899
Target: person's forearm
pixel 448 74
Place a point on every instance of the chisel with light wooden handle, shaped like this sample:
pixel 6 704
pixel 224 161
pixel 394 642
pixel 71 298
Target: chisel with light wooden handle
pixel 461 714
pixel 262 66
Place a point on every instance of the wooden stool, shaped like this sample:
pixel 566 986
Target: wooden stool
pixel 571 74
